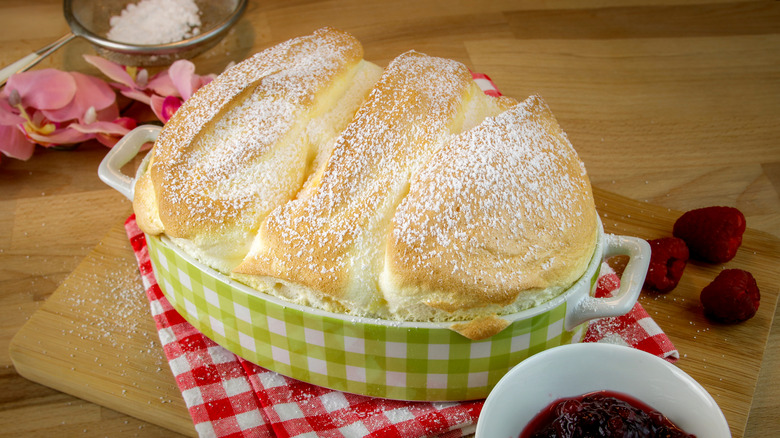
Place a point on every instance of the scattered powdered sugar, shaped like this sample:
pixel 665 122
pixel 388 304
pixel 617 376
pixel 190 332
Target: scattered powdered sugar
pixel 151 22
pixel 109 322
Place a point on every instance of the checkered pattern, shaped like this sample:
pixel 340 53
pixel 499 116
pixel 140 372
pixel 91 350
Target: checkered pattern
pixel 373 357
pixel 389 360
pixel 635 329
pixel 215 388
pixel 486 84
pixel 228 396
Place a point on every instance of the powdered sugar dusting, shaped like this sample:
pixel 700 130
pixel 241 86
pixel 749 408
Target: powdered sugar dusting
pixel 496 210
pixel 211 173
pixel 396 202
pixel 336 234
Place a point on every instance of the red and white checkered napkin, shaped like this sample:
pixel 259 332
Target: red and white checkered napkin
pixel 230 397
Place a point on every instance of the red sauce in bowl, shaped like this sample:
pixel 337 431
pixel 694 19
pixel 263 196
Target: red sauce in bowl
pixel 601 414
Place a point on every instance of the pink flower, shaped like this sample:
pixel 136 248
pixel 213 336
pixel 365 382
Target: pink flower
pixel 51 107
pixel 15 144
pixel 43 107
pixel 164 92
pixel 107 133
pixel 130 81
pixel 164 107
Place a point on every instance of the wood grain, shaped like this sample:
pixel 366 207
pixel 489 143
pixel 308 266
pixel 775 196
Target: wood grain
pixel 94 337
pixel 673 103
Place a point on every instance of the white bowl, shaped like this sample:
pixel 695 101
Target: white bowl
pixel 573 370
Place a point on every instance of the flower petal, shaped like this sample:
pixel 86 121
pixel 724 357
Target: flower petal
pixel 61 136
pixel 7 114
pixel 206 79
pixel 165 107
pixel 111 69
pixel 162 84
pixel 156 106
pixel 137 95
pixel 171 104
pixel 14 144
pixel 110 139
pixel 118 127
pixel 107 133
pixel 182 73
pixel 46 89
pixel 90 92
pixel 108 114
pixel 128 122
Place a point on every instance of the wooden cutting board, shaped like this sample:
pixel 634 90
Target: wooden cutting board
pixel 94 337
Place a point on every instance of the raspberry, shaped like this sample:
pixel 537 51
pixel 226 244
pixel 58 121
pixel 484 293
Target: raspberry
pixel 732 296
pixel 667 263
pixel 713 234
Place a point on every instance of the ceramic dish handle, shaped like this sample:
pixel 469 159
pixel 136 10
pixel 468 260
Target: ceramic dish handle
pixel 588 307
pixel 110 170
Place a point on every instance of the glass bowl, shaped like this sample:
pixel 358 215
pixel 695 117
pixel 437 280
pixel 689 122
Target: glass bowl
pixel 91 20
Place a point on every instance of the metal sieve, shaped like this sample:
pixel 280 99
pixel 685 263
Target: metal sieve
pixel 90 20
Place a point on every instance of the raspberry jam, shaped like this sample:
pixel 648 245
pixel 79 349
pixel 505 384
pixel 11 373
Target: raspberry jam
pixel 601 414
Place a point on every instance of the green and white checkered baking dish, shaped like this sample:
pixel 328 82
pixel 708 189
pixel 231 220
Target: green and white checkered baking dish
pixel 374 357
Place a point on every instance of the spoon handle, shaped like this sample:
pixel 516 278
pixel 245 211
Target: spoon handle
pixel 30 60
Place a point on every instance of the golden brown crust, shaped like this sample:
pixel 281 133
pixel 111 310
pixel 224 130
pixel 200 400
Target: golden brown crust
pixel 331 239
pixel 503 210
pixel 198 188
pixel 481 327
pixel 240 146
pixel 436 203
pixel 145 205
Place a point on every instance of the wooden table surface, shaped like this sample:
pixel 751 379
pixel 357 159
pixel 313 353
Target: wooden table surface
pixel 674 103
